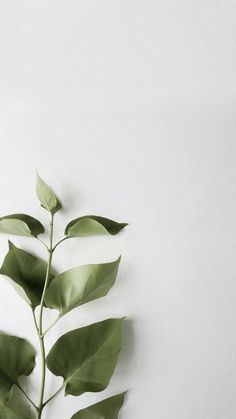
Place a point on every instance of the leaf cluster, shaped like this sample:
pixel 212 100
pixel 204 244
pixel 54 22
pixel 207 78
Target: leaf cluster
pixel 86 357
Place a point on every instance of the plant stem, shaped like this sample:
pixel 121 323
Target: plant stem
pixel 24 393
pixel 55 394
pixel 52 325
pixel 60 241
pixel 41 241
pixel 35 321
pixel 40 327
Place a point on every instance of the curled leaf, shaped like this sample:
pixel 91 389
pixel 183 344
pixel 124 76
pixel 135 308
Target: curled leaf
pixel 20 225
pixel 90 225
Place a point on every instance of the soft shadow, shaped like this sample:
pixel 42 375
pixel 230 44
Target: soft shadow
pixel 125 365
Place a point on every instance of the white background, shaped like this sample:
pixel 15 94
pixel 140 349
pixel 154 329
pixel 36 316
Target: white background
pixel 127 108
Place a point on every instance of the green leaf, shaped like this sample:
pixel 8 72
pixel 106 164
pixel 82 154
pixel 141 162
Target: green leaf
pixel 20 225
pixel 86 357
pixel 26 273
pixel 90 225
pixel 79 285
pixel 6 413
pixel 17 358
pixel 46 196
pixel 106 409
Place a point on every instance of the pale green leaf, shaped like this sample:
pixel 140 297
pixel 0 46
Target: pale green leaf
pixel 90 225
pixel 20 225
pixel 7 413
pixel 79 285
pixel 17 358
pixel 106 409
pixel 86 357
pixel 46 196
pixel 26 273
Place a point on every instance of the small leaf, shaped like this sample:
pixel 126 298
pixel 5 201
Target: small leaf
pixel 79 285
pixel 20 225
pixel 86 357
pixel 6 413
pixel 46 196
pixel 17 358
pixel 106 409
pixel 90 225
pixel 26 273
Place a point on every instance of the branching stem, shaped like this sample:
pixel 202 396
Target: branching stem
pixel 35 321
pixel 60 241
pixel 55 394
pixel 40 326
pixel 51 326
pixel 26 395
pixel 41 241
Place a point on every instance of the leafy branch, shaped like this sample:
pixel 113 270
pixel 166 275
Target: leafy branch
pixel 86 357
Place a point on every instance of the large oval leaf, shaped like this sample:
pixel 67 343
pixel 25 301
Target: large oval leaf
pixel 26 273
pixel 20 225
pixel 86 357
pixel 17 358
pixel 106 409
pixel 79 285
pixel 46 196
pixel 90 225
pixel 6 413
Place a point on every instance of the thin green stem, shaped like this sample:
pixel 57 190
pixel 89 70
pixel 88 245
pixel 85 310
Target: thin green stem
pixel 41 241
pixel 35 321
pixel 26 395
pixel 40 327
pixel 51 326
pixel 60 241
pixel 55 394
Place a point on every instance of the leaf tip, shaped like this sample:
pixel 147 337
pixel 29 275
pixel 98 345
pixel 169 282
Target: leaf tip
pixel 123 225
pixel 118 259
pixel 46 196
pixel 38 177
pixel 123 395
pixel 11 245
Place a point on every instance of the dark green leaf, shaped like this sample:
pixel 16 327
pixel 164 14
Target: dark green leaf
pixel 6 413
pixel 20 225
pixel 80 285
pixel 106 409
pixel 26 273
pixel 17 358
pixel 46 196
pixel 89 225
pixel 86 357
